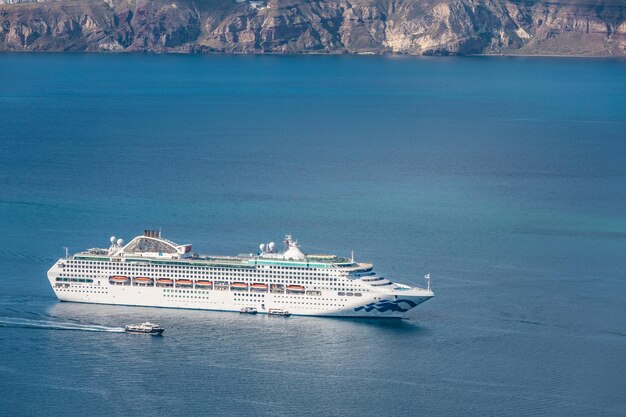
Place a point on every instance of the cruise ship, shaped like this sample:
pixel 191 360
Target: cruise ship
pixel 153 271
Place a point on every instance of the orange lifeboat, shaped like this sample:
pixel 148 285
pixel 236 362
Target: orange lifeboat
pixel 202 283
pixel 143 280
pixel 184 282
pixel 239 285
pixel 259 287
pixel 119 279
pixel 295 288
pixel 164 282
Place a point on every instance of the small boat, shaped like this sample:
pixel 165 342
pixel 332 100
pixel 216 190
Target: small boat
pixel 248 310
pixel 202 283
pixel 295 288
pixel 119 279
pixel 278 312
pixel 143 280
pixel 257 286
pixel 145 328
pixel 184 283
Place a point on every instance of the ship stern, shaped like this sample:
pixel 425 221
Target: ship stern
pixel 53 273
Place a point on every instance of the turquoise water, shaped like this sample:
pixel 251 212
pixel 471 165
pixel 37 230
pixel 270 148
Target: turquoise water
pixel 503 178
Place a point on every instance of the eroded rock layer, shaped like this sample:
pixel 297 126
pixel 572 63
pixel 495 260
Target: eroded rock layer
pixel 425 27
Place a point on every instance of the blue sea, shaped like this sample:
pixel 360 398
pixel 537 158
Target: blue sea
pixel 504 178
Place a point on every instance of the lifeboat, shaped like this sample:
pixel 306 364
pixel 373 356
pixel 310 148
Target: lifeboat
pixel 119 279
pixel 239 286
pixel 295 288
pixel 184 282
pixel 164 281
pixel 204 283
pixel 259 287
pixel 278 312
pixel 143 280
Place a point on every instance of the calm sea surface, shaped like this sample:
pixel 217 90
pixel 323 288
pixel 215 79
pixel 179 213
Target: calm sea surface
pixel 504 178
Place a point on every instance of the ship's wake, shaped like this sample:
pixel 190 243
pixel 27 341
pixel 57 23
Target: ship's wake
pixel 17 322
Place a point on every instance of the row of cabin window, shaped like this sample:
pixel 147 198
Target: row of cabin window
pixel 196 267
pixel 61 279
pixel 219 271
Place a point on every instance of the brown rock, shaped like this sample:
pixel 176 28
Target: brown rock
pixel 429 27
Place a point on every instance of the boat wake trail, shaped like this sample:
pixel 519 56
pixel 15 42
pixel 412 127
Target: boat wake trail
pixel 17 322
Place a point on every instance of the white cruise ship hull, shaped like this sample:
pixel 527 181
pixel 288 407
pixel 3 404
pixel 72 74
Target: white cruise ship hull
pixel 152 271
pixel 394 304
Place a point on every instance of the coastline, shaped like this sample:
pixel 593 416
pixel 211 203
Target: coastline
pixel 359 27
pixel 314 53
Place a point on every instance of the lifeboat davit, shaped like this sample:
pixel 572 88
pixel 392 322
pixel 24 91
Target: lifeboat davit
pixel 295 288
pixel 184 282
pixel 143 280
pixel 204 283
pixel 277 288
pixel 119 279
pixel 260 287
pixel 239 285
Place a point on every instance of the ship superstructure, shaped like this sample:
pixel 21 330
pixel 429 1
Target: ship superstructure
pixel 153 271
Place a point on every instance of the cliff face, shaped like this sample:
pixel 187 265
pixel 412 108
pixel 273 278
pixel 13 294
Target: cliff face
pixel 424 27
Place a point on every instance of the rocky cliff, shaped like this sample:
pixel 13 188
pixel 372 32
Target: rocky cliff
pixel 420 27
